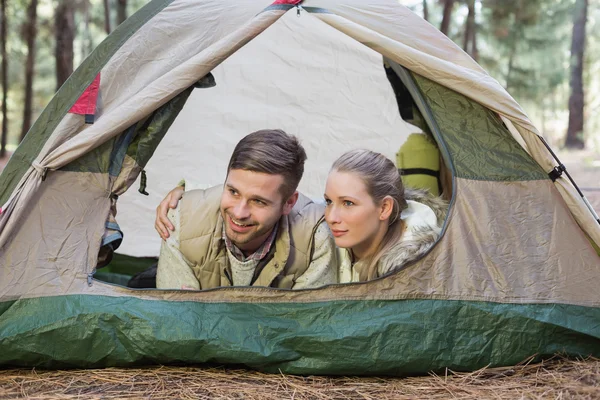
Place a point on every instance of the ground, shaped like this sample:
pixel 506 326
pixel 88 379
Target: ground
pixel 552 379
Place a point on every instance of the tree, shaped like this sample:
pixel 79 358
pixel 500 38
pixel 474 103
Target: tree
pixel 447 16
pixel 576 100
pixel 525 45
pixel 469 39
pixel 64 23
pixel 107 16
pixel 425 11
pixel 122 11
pixel 3 23
pixel 30 30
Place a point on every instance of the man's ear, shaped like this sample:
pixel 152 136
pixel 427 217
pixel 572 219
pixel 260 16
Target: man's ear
pixel 290 203
pixel 387 206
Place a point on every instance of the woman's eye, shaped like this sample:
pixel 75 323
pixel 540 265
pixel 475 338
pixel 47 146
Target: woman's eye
pixel 348 203
pixel 327 202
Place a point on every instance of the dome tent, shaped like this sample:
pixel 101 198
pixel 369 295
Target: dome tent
pixel 512 275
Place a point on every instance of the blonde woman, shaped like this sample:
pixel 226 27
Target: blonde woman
pixel 377 224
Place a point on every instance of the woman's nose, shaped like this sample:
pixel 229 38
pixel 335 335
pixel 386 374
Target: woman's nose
pixel 331 215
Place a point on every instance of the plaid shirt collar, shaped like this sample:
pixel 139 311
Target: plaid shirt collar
pixel 259 254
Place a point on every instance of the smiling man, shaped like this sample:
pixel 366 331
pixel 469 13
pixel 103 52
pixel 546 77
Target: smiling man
pixel 255 230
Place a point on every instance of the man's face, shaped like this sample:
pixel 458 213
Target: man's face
pixel 251 205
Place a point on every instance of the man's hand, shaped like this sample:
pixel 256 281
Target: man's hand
pixel 162 223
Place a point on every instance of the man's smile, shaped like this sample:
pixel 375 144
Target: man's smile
pixel 237 226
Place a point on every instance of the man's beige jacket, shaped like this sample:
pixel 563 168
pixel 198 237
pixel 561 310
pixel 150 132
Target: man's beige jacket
pixel 201 242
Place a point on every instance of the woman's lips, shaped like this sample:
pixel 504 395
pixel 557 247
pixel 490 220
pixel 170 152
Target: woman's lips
pixel 338 233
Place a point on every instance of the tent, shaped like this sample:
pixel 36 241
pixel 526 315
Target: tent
pixel 513 273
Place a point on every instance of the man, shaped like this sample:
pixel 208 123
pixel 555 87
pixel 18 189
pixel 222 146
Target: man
pixel 255 230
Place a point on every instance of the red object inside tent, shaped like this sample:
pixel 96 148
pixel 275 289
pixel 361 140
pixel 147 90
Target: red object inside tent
pixel 86 103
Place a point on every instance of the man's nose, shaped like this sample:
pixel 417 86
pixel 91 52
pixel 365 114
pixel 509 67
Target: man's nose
pixel 241 210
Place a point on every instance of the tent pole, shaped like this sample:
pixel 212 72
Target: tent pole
pixel 557 172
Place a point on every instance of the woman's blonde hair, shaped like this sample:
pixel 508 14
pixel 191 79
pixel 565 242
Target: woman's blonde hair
pixel 381 178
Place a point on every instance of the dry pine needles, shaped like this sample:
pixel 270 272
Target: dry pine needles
pixel 556 378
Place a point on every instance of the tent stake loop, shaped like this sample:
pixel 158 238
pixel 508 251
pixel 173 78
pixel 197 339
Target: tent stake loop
pixel 557 172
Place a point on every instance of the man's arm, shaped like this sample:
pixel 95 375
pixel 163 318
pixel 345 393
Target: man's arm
pixel 323 268
pixel 174 271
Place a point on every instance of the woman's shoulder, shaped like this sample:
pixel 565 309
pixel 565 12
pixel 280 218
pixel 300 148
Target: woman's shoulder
pixel 423 219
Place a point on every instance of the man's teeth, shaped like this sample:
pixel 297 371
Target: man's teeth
pixel 238 224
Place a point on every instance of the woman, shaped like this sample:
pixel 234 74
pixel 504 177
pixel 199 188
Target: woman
pixel 377 225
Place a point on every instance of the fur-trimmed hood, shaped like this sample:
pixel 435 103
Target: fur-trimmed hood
pixel 419 236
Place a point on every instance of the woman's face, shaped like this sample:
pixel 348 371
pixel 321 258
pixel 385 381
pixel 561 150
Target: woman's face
pixel 353 217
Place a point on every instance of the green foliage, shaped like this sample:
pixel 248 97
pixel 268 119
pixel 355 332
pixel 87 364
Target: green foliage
pixel 526 45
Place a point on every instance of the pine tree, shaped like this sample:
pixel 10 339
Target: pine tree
pixel 577 100
pixel 31 34
pixel 65 34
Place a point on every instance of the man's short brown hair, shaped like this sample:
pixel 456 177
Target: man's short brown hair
pixel 271 151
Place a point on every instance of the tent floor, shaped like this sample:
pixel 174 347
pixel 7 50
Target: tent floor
pixel 122 268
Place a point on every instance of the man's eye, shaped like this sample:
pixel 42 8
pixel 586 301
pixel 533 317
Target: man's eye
pixel 348 203
pixel 233 192
pixel 260 202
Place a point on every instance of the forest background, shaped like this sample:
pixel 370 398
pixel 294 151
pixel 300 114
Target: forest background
pixel 544 52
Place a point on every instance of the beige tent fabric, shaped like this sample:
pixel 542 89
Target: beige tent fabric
pixel 130 109
pixel 392 20
pixel 18 202
pixel 55 243
pixel 584 217
pixel 581 209
pixel 482 256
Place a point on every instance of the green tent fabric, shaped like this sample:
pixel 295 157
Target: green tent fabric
pixel 512 275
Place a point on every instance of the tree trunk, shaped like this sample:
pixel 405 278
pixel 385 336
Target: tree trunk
pixel 86 37
pixel 474 49
pixel 30 33
pixel 425 11
pixel 576 100
pixel 65 33
pixel 4 78
pixel 122 11
pixel 448 5
pixel 106 17
pixel 511 59
pixel 469 28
